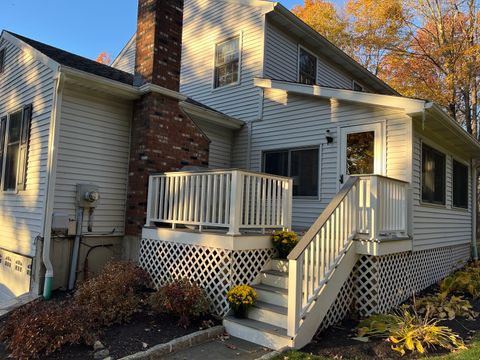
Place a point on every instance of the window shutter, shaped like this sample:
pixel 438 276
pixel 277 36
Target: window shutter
pixel 3 127
pixel 23 150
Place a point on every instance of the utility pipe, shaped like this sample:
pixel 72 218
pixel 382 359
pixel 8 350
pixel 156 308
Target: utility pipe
pixel 474 168
pixel 76 247
pixel 50 181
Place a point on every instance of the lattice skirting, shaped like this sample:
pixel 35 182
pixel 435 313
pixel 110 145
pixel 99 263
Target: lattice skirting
pixel 214 269
pixel 377 284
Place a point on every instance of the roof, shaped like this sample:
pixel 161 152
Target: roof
pixel 74 61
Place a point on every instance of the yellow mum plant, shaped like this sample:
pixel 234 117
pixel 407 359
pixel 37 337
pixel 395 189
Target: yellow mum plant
pixel 284 242
pixel 241 297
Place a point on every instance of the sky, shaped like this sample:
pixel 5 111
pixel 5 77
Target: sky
pixel 86 27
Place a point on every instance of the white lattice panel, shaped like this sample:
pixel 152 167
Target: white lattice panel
pixel 214 269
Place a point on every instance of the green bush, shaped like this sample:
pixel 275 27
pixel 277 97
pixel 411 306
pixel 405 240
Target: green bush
pixel 113 295
pixel 180 298
pixel 466 281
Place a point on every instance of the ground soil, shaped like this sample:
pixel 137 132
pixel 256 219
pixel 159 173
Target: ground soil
pixel 144 330
pixel 338 341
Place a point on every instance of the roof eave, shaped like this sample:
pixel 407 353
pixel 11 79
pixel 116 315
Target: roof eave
pixel 211 116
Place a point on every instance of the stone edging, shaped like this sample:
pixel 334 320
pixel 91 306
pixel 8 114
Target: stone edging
pixel 177 344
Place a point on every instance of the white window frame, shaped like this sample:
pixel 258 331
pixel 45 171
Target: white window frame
pixel 300 47
pixel 214 60
pixel 5 146
pixel 289 150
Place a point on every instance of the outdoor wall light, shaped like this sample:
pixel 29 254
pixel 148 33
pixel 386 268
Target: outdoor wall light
pixel 328 137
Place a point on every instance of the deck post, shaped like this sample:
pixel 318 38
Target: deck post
pixel 374 208
pixel 150 201
pixel 295 278
pixel 235 215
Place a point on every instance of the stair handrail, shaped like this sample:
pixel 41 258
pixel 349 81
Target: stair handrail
pixel 324 216
pixel 313 260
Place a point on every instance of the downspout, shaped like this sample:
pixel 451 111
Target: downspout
pixel 51 170
pixel 474 168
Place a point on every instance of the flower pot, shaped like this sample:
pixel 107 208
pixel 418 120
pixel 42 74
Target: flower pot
pixel 240 310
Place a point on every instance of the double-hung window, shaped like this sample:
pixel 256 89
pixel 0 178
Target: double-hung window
pixel 14 136
pixel 2 60
pixel 227 62
pixel 300 164
pixel 433 176
pixel 460 185
pixel 307 67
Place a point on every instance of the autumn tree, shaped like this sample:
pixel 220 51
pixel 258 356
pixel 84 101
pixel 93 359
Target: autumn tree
pixel 104 58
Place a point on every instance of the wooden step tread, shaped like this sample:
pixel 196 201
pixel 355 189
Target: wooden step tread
pixel 269 288
pixel 260 325
pixel 275 308
pixel 275 272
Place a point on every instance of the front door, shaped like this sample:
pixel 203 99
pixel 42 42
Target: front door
pixel 361 150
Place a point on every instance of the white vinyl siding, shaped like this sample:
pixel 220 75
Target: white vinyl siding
pixel 94 149
pixel 438 225
pixel 220 149
pixel 301 121
pixel 281 61
pixel 206 23
pixel 24 81
pixel 125 61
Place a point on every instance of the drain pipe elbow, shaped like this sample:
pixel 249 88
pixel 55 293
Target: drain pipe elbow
pixel 50 181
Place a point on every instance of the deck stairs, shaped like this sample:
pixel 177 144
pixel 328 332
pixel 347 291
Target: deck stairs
pixel 294 295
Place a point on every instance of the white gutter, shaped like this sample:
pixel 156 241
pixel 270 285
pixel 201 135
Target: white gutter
pixel 211 116
pixel 50 181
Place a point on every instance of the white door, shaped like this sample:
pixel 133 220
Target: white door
pixel 361 151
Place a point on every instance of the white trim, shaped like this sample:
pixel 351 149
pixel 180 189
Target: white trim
pixel 146 88
pixel 301 47
pixel 124 50
pixel 240 48
pixel 211 116
pixel 264 4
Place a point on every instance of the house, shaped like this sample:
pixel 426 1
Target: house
pixel 295 134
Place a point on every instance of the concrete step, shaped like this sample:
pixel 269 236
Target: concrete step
pixel 271 294
pixel 258 332
pixel 269 313
pixel 280 265
pixel 274 278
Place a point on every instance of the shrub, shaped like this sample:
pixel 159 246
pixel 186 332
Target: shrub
pixel 442 306
pixel 406 330
pixel 112 296
pixel 463 281
pixel 241 295
pixel 41 328
pixel 180 298
pixel 284 242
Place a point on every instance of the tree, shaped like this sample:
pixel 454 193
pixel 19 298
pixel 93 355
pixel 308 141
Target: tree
pixel 104 58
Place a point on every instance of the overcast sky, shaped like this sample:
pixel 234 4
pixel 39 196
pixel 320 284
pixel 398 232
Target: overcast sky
pixel 86 27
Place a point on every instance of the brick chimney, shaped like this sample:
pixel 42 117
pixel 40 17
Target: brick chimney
pixel 163 138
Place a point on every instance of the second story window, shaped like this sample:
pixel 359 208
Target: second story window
pixel 227 62
pixel 2 60
pixel 307 67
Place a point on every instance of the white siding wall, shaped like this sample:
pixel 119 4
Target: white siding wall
pixel 220 149
pixel 281 61
pixel 125 61
pixel 207 22
pixel 435 226
pixel 93 149
pixel 25 81
pixel 297 121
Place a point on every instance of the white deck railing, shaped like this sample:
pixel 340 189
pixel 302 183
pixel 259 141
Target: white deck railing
pixel 231 199
pixel 366 205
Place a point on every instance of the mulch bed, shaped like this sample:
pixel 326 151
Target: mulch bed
pixel 337 341
pixel 143 331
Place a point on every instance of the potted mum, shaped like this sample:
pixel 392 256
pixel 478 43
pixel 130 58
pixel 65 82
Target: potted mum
pixel 284 242
pixel 241 298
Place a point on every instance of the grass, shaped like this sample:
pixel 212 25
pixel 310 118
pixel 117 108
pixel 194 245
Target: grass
pixel 472 353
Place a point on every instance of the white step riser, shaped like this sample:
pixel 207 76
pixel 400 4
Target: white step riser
pixel 272 297
pixel 280 265
pixel 267 316
pixel 274 280
pixel 266 339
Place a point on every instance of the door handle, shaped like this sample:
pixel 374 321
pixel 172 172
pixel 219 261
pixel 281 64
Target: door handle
pixel 340 179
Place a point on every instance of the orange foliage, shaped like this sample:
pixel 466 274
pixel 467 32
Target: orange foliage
pixel 104 58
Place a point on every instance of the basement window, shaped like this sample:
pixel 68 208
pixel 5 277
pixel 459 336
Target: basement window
pixel 460 185
pixel 227 62
pixel 299 164
pixel 307 67
pixel 433 176
pixel 2 60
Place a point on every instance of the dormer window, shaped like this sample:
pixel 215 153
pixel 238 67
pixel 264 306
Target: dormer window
pixel 307 67
pixel 357 86
pixel 227 62
pixel 2 60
